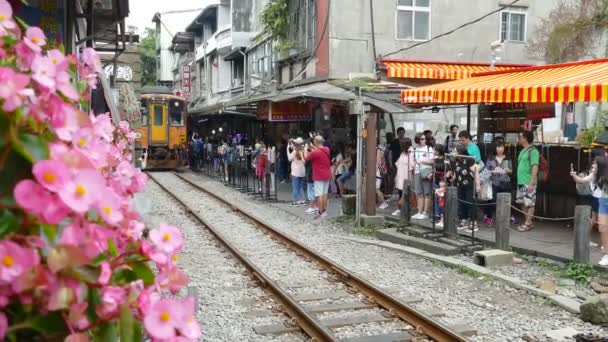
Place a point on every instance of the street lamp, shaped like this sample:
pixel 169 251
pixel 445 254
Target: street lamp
pixel 220 129
pixel 213 132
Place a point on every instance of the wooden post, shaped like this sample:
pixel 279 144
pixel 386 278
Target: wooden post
pixel 370 165
pixel 451 211
pixel 406 208
pixel 503 220
pixel 582 232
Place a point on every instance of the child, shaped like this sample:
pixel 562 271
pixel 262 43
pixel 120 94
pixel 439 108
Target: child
pixel 440 196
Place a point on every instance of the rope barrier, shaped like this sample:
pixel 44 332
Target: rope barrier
pixel 555 219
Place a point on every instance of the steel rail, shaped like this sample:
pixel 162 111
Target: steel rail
pixel 309 324
pixel 421 322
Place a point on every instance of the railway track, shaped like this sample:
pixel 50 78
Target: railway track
pixel 379 304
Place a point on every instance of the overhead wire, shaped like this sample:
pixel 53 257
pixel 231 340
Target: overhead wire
pixel 469 23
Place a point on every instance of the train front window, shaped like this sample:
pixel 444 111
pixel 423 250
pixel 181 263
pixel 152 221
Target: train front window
pixel 158 115
pixel 176 112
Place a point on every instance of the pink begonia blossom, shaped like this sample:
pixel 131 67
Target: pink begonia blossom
pixel 111 299
pixel 6 20
pixel 103 127
pixel 13 88
pixel 134 230
pixel 25 56
pixel 51 174
pixel 64 85
pixel 55 211
pixel 15 260
pixel 83 191
pixel 3 321
pixel 57 57
pixel 109 208
pixel 91 59
pixel 31 196
pixel 163 318
pixel 167 239
pixel 104 275
pixel 44 72
pixel 65 122
pixel 189 327
pixel 34 38
pixel 146 299
pixel 61 297
pixel 172 278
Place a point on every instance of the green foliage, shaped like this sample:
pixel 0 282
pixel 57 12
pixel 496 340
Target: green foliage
pixel 581 273
pixel 130 329
pixel 275 23
pixel 106 333
pixel 147 53
pixel 598 127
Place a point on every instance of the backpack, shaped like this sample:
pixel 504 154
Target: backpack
pixel 543 167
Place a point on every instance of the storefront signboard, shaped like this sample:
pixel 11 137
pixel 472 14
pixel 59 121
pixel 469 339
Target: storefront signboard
pixel 284 111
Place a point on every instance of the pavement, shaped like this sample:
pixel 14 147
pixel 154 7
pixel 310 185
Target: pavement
pixel 549 239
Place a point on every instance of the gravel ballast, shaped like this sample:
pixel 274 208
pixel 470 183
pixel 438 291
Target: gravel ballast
pixel 498 312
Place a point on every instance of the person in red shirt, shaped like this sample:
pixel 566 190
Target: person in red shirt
pixel 319 156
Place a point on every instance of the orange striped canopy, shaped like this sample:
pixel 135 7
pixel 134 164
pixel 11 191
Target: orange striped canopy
pixel 569 82
pixel 439 70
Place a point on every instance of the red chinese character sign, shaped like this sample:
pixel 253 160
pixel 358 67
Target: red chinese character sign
pixel 284 111
pixel 186 81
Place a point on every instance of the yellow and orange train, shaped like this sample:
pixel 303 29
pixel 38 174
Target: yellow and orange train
pixel 162 138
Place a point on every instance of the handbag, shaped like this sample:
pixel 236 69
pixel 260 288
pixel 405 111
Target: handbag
pixel 426 172
pixel 485 194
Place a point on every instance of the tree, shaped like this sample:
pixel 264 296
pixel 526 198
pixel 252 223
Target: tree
pixel 148 57
pixel 569 31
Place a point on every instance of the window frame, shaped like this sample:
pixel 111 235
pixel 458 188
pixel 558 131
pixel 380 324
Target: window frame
pixel 510 11
pixel 413 8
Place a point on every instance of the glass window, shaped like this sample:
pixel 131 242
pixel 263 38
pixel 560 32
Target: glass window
pixel 158 115
pixel 513 26
pixel 414 19
pixel 176 111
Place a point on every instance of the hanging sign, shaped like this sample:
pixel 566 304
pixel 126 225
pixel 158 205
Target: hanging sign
pixel 283 111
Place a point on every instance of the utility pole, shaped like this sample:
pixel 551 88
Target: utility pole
pixel 370 167
pixel 358 110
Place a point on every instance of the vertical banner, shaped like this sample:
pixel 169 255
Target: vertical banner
pixel 186 81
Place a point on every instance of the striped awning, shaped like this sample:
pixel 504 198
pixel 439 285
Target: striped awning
pixel 569 82
pixel 439 70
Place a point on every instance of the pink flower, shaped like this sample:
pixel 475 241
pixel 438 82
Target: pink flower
pixel 13 88
pixel 44 72
pixel 57 58
pixel 173 278
pixel 3 321
pixel 189 327
pixel 83 192
pixel 111 299
pixel 51 174
pixel 163 318
pixel 77 317
pixel 167 239
pixel 109 208
pixel 103 127
pixel 31 196
pixel 146 299
pixel 134 230
pixel 65 86
pixel 34 38
pixel 55 211
pixel 15 260
pixel 6 23
pixel 105 274
pixel 91 59
pixel 25 56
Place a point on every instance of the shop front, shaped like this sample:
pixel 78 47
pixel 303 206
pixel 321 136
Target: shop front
pixel 538 99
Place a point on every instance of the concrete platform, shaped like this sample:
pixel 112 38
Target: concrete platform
pixel 375 220
pixel 392 235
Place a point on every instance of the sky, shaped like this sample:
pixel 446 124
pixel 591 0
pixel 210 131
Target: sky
pixel 142 11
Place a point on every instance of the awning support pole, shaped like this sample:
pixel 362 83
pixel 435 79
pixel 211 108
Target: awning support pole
pixel 469 118
pixel 370 165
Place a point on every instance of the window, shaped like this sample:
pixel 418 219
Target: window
pixel 413 19
pixel 176 110
pixel 513 26
pixel 158 115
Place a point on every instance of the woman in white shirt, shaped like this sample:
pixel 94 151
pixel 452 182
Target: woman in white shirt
pixel 295 155
pixel 405 168
pixel 598 177
pixel 423 173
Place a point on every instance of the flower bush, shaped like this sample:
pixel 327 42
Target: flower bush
pixel 73 262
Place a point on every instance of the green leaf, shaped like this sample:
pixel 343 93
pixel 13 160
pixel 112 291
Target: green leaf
pixel 9 223
pixel 123 276
pixel 15 169
pixel 112 248
pixel 50 231
pixel 85 273
pixel 94 300
pixel 98 259
pixel 144 273
pixel 31 147
pixel 49 325
pixel 127 326
pixel 21 22
pixel 106 333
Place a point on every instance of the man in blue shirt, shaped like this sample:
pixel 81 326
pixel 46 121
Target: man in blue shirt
pixel 472 149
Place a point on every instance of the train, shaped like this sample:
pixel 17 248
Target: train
pixel 162 140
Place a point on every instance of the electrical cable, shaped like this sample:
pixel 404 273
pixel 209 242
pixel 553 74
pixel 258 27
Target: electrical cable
pixel 502 7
